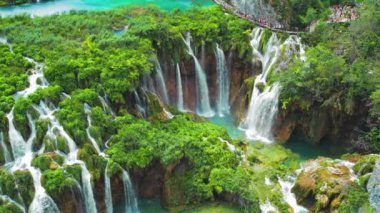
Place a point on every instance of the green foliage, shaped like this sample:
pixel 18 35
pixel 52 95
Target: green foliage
pixel 373 138
pixel 13 77
pixel 354 199
pixel 25 186
pixel 56 181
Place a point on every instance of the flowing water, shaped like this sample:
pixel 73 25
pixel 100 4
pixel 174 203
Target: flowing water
pixel 108 191
pixel 222 105
pixel 180 103
pixel 264 101
pixel 160 79
pixel 7 156
pixel 139 104
pixel 288 196
pixel 131 205
pixel 58 6
pixel 203 99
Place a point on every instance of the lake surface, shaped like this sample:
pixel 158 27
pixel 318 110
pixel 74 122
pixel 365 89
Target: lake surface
pixel 58 6
pixel 296 144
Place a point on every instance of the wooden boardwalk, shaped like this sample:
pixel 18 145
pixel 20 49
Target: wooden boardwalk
pixel 254 20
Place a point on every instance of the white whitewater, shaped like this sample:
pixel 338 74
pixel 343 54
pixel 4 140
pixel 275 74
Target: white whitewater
pixel 161 81
pixel 203 99
pixel 108 191
pixel 106 105
pixel 263 106
pixel 223 81
pixel 9 200
pixel 7 156
pixel 139 104
pixel 87 110
pixel 268 207
pixel 288 196
pixel 180 102
pixel 131 205
pixel 23 152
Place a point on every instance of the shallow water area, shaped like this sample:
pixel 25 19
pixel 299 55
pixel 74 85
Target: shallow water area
pixel 58 6
pixel 296 144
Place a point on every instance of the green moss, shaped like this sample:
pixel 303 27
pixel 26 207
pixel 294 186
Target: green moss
pixel 62 145
pixel 56 181
pixel 94 163
pixel 365 164
pixel 41 127
pixel 25 186
pixel 47 161
pixel 354 199
pixel 7 184
pixel 76 171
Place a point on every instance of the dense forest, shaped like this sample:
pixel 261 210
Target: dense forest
pixel 80 125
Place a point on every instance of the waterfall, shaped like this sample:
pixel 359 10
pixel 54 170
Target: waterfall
pixel 288 196
pixel 180 103
pixel 108 191
pixel 23 150
pixel 203 99
pixel 161 81
pixel 6 154
pixel 131 205
pixel 106 105
pixel 139 104
pixel 87 110
pixel 87 189
pixel 268 207
pixel 42 202
pixel 9 200
pixel 264 101
pixel 16 140
pixel 222 106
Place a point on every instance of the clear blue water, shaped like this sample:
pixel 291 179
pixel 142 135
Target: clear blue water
pixel 298 145
pixel 57 6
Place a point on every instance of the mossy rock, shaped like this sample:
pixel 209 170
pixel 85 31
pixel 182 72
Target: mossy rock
pixel 62 145
pixel 76 171
pixel 365 164
pixel 8 207
pixel 49 144
pixel 7 185
pixel 25 186
pixel 47 161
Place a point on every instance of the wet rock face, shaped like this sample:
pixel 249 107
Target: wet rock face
pixel 321 182
pixel 71 201
pixel 373 187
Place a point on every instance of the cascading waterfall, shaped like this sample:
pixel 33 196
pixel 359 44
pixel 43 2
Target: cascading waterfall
pixel 264 101
pixel 268 207
pixel 203 99
pixel 6 154
pixel 222 105
pixel 131 205
pixel 23 150
pixel 288 196
pixel 106 105
pixel 87 110
pixel 180 103
pixel 108 192
pixel 9 200
pixel 71 158
pixel 161 81
pixel 139 104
